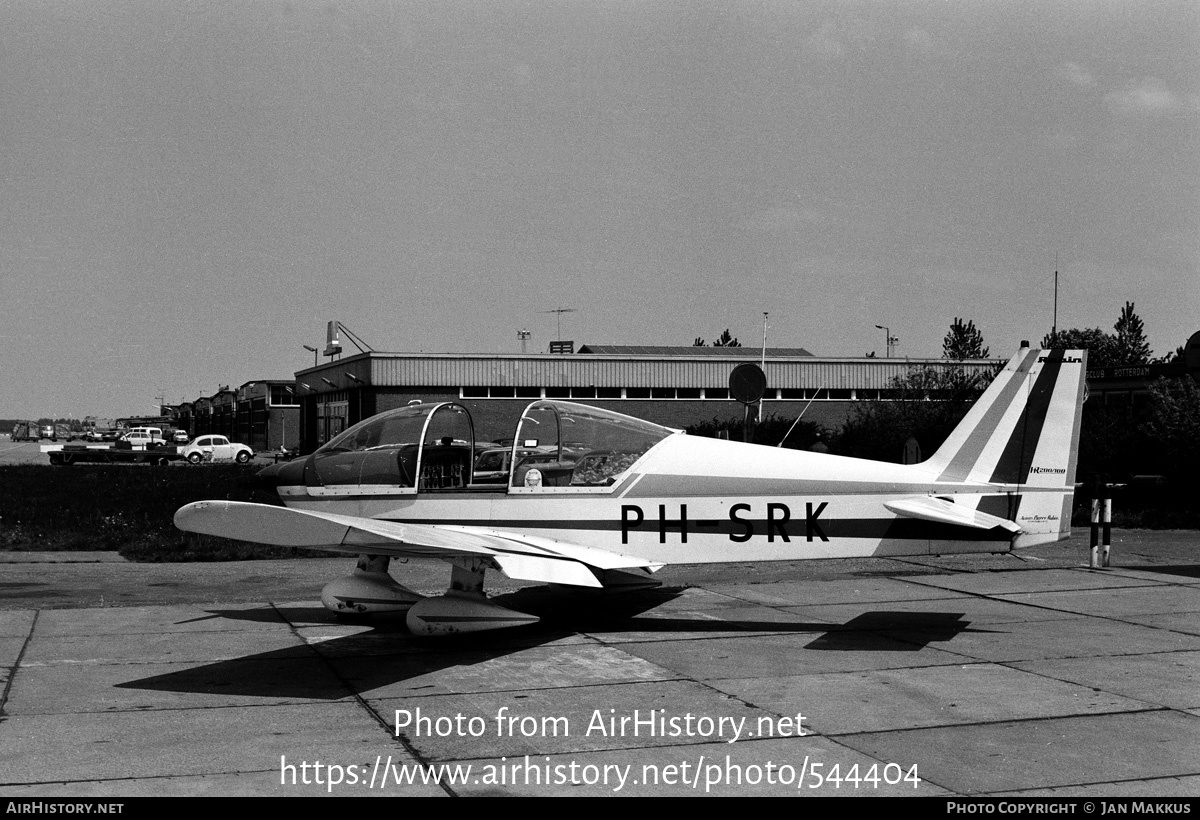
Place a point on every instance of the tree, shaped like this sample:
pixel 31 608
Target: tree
pixel 1176 356
pixel 963 341
pixel 1173 427
pixel 1132 347
pixel 925 403
pixel 724 340
pixel 1101 346
pixel 1126 346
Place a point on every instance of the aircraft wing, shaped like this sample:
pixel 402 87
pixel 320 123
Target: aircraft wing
pixel 519 556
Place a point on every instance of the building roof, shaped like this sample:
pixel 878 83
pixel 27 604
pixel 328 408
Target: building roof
pixel 690 350
pixel 690 369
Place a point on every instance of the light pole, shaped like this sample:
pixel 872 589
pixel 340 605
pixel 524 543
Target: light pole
pixel 313 351
pixel 890 339
pixel 764 350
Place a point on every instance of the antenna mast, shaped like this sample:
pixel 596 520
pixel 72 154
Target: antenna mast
pixel 560 312
pixel 1054 325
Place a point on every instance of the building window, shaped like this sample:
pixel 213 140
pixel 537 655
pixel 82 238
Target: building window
pixel 283 395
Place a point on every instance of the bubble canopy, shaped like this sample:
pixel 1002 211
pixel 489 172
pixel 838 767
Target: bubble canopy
pixel 433 447
pixel 580 446
pixel 408 425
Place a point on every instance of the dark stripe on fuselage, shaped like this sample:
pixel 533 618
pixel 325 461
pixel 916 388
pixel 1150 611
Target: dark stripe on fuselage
pixel 796 530
pixel 1015 461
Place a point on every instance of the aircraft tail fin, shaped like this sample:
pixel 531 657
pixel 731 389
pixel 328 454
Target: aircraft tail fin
pixel 1023 432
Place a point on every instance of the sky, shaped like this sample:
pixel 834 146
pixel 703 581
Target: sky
pixel 192 190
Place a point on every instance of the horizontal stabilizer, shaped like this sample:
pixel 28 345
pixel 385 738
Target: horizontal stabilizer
pixel 947 512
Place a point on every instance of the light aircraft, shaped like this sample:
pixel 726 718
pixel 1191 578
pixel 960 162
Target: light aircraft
pixel 599 500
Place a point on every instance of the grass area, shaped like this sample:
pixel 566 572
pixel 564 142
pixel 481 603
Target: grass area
pixel 126 508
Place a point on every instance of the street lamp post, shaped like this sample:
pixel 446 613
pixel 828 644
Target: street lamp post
pixel 313 351
pixel 889 339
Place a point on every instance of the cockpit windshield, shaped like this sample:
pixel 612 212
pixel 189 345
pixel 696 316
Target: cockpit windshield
pixel 428 446
pixel 392 429
pixel 561 444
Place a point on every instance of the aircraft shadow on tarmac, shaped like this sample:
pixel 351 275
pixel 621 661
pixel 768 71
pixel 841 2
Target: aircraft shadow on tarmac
pixel 28 589
pixel 387 654
pixel 1186 570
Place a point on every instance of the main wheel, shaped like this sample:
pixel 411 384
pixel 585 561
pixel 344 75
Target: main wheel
pixel 243 457
pixel 194 458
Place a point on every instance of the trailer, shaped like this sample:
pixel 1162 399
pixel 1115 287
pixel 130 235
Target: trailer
pixel 121 452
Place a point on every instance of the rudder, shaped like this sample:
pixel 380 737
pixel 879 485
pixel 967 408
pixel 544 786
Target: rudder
pixel 1023 434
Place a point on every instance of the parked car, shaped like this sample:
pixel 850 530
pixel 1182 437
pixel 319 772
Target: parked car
pixel 139 438
pixel 216 448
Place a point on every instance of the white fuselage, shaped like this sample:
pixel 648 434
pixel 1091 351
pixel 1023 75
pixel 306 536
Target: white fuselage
pixel 693 500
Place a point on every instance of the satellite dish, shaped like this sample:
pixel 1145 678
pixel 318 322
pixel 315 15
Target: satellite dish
pixel 747 383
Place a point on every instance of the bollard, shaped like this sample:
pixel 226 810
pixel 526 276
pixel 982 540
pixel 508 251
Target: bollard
pixel 1106 522
pixel 1094 563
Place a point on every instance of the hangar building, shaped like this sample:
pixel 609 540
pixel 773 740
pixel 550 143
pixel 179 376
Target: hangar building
pixel 263 414
pixel 673 386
